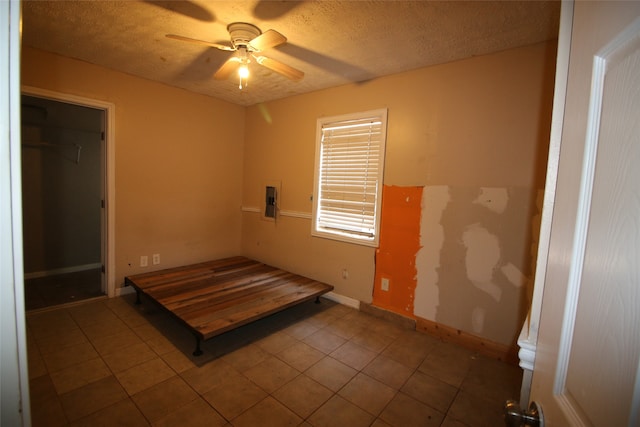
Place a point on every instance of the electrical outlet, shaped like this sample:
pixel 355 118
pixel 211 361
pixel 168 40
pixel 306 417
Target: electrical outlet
pixel 345 274
pixel 384 284
pixel 155 259
pixel 144 261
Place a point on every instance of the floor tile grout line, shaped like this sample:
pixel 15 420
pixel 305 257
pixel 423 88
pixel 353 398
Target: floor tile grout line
pixel 396 390
pixel 399 389
pixel 271 394
pixel 359 371
pixel 130 397
pixel 394 338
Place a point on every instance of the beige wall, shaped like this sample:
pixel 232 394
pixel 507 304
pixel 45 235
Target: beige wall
pixel 466 131
pixel 178 162
pixel 473 133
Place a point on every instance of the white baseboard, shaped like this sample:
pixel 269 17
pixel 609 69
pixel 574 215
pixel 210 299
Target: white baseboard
pixel 66 305
pixel 64 270
pixel 341 299
pixel 125 290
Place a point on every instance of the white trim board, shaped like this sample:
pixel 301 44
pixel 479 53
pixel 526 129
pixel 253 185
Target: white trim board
pixel 63 270
pixel 341 299
pixel 291 214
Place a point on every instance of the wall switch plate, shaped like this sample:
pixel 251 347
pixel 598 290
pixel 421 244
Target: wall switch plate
pixel 155 259
pixel 144 261
pixel 384 284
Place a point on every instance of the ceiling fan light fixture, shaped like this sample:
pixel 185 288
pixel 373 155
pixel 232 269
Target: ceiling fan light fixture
pixel 243 71
pixel 242 33
pixel 247 41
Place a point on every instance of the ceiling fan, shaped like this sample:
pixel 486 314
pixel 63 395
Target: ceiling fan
pixel 248 42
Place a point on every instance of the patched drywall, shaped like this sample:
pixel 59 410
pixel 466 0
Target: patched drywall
pixel 474 267
pixel 478 126
pixel 472 259
pixel 434 200
pixel 396 254
pixel 494 199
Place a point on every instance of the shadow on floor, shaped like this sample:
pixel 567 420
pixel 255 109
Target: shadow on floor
pixel 182 337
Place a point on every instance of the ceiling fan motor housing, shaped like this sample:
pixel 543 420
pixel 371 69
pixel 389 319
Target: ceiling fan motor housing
pixel 242 33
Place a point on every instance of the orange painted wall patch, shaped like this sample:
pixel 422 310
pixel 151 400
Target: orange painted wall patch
pixel 396 275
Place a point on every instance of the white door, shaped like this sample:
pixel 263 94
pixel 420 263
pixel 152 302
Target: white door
pixel 586 370
pixel 14 386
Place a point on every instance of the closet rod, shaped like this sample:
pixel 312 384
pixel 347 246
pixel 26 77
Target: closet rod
pixel 49 145
pixel 60 127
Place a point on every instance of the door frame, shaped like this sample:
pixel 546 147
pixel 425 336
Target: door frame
pixel 107 172
pixel 528 339
pixel 14 390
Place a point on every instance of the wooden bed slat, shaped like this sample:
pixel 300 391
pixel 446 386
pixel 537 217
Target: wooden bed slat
pixel 230 296
pixel 212 285
pixel 217 296
pixel 186 274
pixel 271 293
pixel 249 314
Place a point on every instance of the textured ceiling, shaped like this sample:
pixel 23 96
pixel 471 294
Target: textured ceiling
pixel 332 42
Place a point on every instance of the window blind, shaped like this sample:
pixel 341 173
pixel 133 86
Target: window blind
pixel 350 173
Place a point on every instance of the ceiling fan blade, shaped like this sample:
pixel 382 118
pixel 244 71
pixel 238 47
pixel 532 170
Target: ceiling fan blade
pixel 200 42
pixel 227 68
pixel 269 38
pixel 267 10
pixel 277 66
pixel 186 8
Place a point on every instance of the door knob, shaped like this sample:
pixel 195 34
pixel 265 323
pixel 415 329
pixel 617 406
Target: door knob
pixel 514 416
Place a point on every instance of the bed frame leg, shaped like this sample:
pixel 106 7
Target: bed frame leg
pixel 317 300
pixel 197 351
pixel 138 302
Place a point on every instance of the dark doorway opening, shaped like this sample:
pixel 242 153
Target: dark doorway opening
pixel 62 197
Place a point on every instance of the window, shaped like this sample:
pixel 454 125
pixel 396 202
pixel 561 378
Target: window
pixel 348 177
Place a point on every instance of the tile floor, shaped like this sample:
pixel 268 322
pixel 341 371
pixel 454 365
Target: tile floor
pixel 109 362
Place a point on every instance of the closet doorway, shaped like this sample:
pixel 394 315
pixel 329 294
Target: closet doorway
pixel 63 197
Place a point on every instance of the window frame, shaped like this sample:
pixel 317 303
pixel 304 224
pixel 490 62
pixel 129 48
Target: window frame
pixel 344 235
